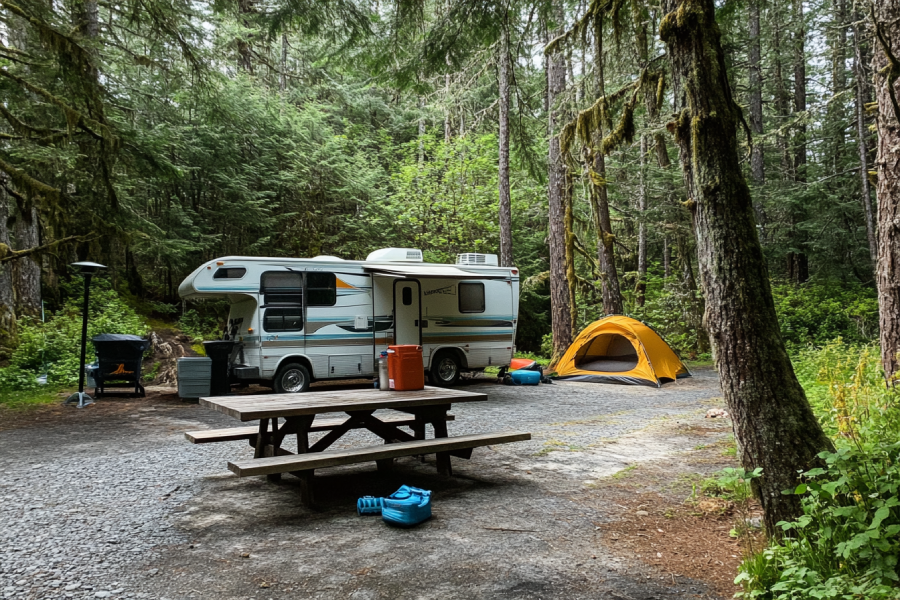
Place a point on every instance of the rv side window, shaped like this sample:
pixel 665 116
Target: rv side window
pixel 283 319
pixel 471 297
pixel 321 288
pixel 230 273
pixel 407 296
pixel 281 287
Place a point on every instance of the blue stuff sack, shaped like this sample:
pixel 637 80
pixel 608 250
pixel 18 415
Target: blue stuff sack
pixel 369 505
pixel 525 377
pixel 406 507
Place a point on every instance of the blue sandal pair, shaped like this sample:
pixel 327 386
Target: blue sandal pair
pixel 406 507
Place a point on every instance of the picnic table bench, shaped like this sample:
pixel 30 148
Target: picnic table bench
pixel 283 415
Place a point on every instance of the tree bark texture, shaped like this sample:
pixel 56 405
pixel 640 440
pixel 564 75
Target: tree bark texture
pixel 506 259
pixel 774 426
pixel 561 310
pixel 641 287
pixel 27 272
pixel 7 298
pixel 609 276
pixel 887 272
pixel 862 134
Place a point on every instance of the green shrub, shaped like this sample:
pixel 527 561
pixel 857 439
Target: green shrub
pixel 55 346
pixel 200 326
pixel 818 312
pixel 847 543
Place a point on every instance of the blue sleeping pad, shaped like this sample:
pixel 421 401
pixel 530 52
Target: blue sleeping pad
pixel 406 507
pixel 525 377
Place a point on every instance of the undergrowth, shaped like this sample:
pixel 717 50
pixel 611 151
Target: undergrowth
pixel 846 544
pixel 53 348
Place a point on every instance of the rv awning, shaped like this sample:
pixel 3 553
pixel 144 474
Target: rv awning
pixel 439 272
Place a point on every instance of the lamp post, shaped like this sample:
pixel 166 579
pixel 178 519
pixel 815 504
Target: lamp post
pixel 87 269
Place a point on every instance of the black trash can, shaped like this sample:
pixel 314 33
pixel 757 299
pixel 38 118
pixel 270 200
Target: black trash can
pixel 219 352
pixel 119 358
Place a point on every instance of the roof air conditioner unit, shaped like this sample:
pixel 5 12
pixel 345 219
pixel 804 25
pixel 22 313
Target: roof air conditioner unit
pixel 395 255
pixel 477 259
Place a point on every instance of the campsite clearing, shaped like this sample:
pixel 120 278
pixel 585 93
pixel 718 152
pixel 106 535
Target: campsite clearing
pixel 115 501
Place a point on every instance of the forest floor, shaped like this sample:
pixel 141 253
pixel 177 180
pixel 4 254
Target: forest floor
pixel 112 502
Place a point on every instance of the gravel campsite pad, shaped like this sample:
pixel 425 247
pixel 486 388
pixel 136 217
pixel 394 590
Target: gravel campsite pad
pixel 112 502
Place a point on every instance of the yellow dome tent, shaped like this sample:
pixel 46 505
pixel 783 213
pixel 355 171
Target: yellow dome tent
pixel 620 349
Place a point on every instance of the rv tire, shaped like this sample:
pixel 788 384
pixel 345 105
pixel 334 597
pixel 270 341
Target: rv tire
pixel 292 378
pixel 445 370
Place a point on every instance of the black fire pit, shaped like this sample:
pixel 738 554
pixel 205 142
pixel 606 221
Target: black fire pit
pixel 119 359
pixel 219 352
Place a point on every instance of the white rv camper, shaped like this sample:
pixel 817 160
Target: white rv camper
pixel 299 320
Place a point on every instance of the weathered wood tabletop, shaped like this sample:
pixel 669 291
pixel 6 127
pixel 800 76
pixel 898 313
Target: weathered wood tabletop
pixel 428 406
pixel 270 406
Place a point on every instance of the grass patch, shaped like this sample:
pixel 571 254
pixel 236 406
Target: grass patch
pixel 25 399
pixel 199 349
pixel 624 472
pixel 706 363
pixel 538 359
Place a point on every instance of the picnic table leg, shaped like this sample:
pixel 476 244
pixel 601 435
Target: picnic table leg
pixel 261 438
pixel 440 431
pixel 386 465
pixel 307 496
pixel 418 429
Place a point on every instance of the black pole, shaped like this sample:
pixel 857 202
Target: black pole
pixel 84 322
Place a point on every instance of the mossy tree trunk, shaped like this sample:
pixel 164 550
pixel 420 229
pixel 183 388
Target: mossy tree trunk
pixel 887 273
pixel 7 298
pixel 27 272
pixel 774 426
pixel 560 308
pixel 609 276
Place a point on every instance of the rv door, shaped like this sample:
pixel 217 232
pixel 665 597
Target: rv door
pixel 407 312
pixel 281 318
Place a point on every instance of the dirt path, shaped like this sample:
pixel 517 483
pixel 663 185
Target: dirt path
pixel 111 502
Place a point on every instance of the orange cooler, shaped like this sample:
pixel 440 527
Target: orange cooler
pixel 405 368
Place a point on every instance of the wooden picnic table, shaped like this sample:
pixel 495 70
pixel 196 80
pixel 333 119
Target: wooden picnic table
pixel 299 413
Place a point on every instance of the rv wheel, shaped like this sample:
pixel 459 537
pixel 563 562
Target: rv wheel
pixel 292 379
pixel 445 370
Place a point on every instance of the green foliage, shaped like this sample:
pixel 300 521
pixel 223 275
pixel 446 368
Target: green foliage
pixel 19 398
pixel 731 484
pixel 201 325
pixel 674 313
pixel 847 543
pixel 54 347
pixel 818 312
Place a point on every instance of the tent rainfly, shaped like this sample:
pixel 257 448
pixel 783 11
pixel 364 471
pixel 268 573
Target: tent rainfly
pixel 619 349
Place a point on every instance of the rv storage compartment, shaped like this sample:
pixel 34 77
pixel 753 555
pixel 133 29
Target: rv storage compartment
pixel 194 376
pixel 405 368
pixel 119 359
pixel 220 354
pixel 245 372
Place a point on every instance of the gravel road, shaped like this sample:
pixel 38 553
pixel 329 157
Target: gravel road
pixel 116 504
